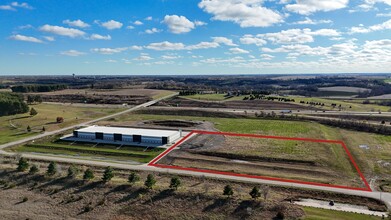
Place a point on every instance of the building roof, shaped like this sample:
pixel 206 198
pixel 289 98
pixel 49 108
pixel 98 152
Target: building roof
pixel 128 131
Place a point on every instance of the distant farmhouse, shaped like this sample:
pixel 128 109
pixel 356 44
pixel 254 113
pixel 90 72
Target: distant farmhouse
pixel 127 136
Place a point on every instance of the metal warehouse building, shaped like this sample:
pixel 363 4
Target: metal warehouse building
pixel 128 135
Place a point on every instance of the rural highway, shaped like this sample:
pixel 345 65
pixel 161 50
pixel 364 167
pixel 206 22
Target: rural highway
pixel 385 197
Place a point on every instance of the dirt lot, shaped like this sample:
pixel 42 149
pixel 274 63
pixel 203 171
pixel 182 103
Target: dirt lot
pixel 299 160
pixel 26 196
pixel 241 104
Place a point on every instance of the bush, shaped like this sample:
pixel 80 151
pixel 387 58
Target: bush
pixel 72 171
pixel 150 182
pixel 23 165
pixel 228 191
pixel 34 169
pixel 175 183
pixel 133 178
pixel 255 193
pixel 52 169
pixel 59 119
pixel 88 174
pixel 25 199
pixel 33 112
pixel 108 174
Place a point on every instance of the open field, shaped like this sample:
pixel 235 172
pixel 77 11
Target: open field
pixel 325 163
pixel 15 127
pixel 373 161
pixel 344 89
pixel 91 150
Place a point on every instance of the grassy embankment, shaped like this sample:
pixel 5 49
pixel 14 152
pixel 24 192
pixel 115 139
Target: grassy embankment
pixel 15 127
pixel 324 214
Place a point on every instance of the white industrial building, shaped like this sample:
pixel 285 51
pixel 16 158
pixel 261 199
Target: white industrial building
pixel 138 136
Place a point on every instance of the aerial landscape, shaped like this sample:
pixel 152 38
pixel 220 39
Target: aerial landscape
pixel 204 109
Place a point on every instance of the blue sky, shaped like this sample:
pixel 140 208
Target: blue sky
pixel 141 37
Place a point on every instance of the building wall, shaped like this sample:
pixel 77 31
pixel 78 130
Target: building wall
pixel 86 135
pixel 151 140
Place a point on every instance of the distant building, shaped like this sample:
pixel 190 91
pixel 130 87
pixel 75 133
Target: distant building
pixel 129 136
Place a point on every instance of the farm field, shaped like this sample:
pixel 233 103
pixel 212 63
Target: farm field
pixel 138 154
pixel 372 161
pixel 15 127
pixel 213 97
pixel 325 163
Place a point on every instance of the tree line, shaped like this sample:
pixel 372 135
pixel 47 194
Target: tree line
pixel 11 104
pixel 38 88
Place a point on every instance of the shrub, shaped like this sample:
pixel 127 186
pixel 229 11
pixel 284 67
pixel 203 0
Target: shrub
pixel 175 183
pixel 88 174
pixel 34 169
pixel 133 178
pixel 228 191
pixel 255 193
pixel 150 182
pixel 23 165
pixel 52 169
pixel 108 174
pixel 72 171
pixel 33 112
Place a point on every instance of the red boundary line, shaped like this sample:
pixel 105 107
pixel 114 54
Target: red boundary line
pixel 155 160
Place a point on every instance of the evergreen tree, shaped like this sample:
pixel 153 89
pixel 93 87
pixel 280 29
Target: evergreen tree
pixel 108 174
pixel 33 169
pixel 33 112
pixel 52 169
pixel 88 174
pixel 43 129
pixel 23 165
pixel 133 178
pixel 72 171
pixel 255 193
pixel 150 182
pixel 175 183
pixel 28 128
pixel 228 191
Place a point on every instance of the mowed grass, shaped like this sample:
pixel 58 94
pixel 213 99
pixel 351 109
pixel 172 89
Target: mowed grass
pixel 372 161
pixel 15 127
pixel 324 214
pixel 133 153
pixel 207 97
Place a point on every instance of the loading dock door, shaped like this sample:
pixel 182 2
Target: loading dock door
pixel 137 138
pixel 75 134
pixel 117 137
pixel 99 135
pixel 164 140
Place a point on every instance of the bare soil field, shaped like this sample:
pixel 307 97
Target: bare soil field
pixel 173 124
pixel 37 196
pixel 344 89
pixel 298 160
pixel 238 104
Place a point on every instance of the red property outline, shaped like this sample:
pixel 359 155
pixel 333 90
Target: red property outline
pixel 160 156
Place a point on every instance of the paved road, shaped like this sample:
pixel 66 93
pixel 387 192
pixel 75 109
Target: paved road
pixel 385 197
pixel 49 133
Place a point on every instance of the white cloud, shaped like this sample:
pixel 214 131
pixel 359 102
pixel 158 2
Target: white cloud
pixel 307 7
pixel 143 58
pixel 203 45
pixel 149 18
pixel 130 27
pixel 178 24
pixel 69 32
pixel 152 31
pixel 72 53
pixel 138 23
pixel 308 20
pixel 14 5
pixel 111 61
pixel 135 47
pixel 21 5
pixel 370 4
pixel 266 56
pixel 250 39
pixel 170 57
pixel 246 13
pixel 384 14
pixel 111 25
pixel 19 37
pixel 378 27
pixel 49 38
pixel 109 50
pixel 99 37
pixel 76 23
pixel 224 40
pixel 200 23
pixel 165 45
pixel 237 50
